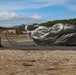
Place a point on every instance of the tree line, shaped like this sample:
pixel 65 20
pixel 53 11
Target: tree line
pixel 51 23
pixel 65 21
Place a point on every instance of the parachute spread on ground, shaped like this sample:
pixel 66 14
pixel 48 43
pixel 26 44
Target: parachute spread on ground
pixel 58 34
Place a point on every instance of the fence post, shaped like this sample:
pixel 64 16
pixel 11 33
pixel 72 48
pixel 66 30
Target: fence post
pixel 0 42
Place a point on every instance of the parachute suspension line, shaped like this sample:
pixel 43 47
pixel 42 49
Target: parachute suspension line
pixel 10 40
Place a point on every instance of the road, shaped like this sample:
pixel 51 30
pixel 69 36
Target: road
pixel 30 45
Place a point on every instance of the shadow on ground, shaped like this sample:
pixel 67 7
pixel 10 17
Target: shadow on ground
pixel 30 45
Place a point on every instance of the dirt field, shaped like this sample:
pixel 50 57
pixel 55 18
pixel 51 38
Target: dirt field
pixel 34 62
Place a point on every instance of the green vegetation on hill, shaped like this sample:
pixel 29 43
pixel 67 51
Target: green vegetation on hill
pixel 66 21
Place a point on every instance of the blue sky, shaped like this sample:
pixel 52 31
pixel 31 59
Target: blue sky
pixel 16 12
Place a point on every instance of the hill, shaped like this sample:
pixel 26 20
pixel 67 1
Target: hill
pixel 51 23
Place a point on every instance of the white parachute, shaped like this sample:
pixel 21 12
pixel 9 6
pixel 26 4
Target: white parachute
pixel 58 34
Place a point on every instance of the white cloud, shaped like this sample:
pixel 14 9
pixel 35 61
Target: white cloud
pixel 31 4
pixel 7 15
pixel 8 19
pixel 36 17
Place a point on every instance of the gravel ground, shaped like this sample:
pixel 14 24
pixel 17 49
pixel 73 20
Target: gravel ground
pixel 34 62
pixel 25 58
